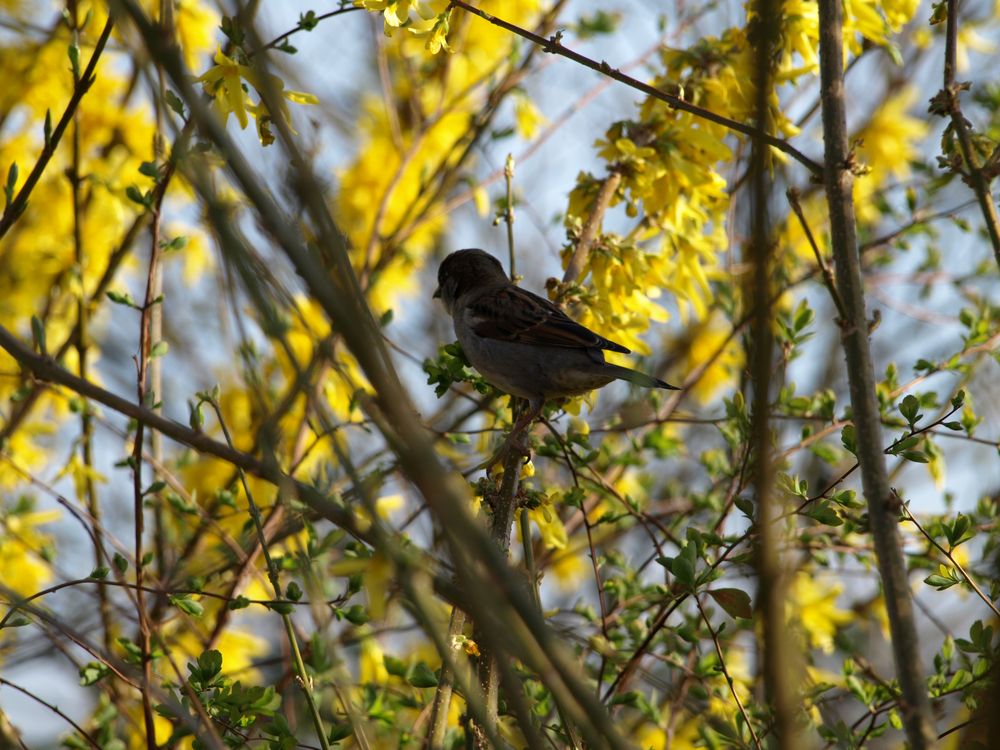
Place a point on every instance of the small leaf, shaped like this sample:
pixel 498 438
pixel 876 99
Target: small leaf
pixel 939 582
pixel 135 195
pixel 848 439
pixel 99 573
pixel 394 666
pixel 93 672
pixel 736 602
pixel 8 189
pixel 188 606
pixel 155 487
pixel 38 334
pixel 422 676
pixel 175 103
pixel 158 349
pixel 909 408
pixel 122 298
pixel 74 60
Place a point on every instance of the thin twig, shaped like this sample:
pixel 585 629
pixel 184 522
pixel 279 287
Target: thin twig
pixel 951 558
pixel 793 199
pixel 725 673
pixel 554 45
pixel 975 177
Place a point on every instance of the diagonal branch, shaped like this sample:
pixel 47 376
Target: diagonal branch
pixel 554 46
pixel 16 207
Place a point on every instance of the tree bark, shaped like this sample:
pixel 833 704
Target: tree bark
pixel 882 503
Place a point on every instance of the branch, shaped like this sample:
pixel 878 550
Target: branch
pixel 16 207
pixel 780 665
pixel 975 177
pixel 882 507
pixel 601 202
pixel 553 45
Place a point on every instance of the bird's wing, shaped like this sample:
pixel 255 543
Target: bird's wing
pixel 513 314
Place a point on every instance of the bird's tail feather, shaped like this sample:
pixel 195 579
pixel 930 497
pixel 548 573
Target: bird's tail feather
pixel 642 379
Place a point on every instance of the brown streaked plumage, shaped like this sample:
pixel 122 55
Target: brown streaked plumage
pixel 522 343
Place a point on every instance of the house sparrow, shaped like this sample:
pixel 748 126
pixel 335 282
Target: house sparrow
pixel 522 343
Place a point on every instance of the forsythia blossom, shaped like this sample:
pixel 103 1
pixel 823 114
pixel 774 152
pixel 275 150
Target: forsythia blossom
pixel 224 82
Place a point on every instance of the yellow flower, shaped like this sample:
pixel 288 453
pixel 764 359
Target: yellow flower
pixel 224 82
pixel 21 568
pixel 815 605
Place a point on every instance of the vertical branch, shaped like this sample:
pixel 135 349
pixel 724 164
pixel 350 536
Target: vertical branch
pixel 156 321
pixel 82 343
pixel 145 399
pixel 502 504
pixel 508 173
pixel 446 684
pixel 500 523
pixel 882 507
pixel 973 169
pixel 780 668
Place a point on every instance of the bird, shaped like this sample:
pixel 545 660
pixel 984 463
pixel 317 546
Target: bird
pixel 521 343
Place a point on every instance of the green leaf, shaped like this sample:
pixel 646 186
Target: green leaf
pixel 915 456
pixel 823 512
pixel 745 506
pixel 122 298
pixel 158 349
pixel 99 573
pixel 187 606
pixel 956 530
pixel 422 676
pixel 74 60
pixel 395 667
pixel 909 408
pixel 209 664
pixel 939 582
pixel 683 569
pixel 38 334
pixel 238 602
pixel 120 563
pixel 175 103
pixel 356 615
pixel 93 672
pixel 47 128
pixel 282 608
pixel 848 439
pixel 137 196
pixel 736 602
pixel 8 189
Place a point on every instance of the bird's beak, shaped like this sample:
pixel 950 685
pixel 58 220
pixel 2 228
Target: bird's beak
pixel 437 293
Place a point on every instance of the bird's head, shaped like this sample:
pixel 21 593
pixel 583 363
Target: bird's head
pixel 464 271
